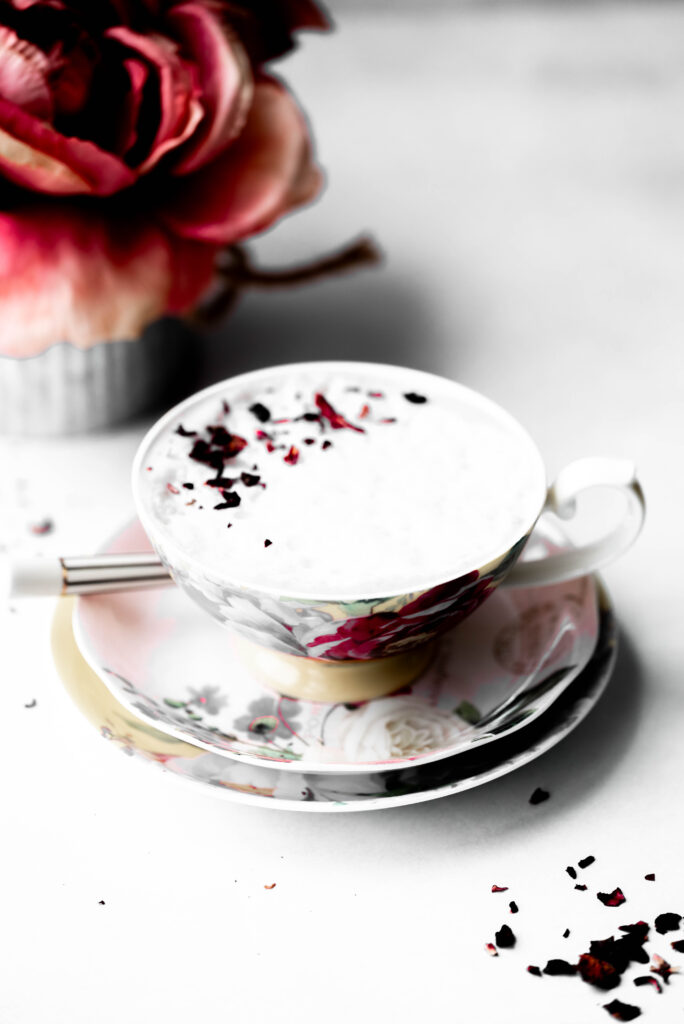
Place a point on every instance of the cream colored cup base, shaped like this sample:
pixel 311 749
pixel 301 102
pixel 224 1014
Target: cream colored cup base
pixel 345 682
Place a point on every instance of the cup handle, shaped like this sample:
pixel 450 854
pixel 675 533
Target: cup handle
pixel 561 499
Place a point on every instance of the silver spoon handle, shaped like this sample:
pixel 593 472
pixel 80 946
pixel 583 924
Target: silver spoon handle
pixel 82 574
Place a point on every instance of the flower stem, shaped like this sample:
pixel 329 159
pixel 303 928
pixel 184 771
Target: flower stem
pixel 237 274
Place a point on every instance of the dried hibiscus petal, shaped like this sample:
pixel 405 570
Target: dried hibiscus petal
pixel 650 877
pixel 326 444
pixel 219 436
pixel 539 796
pixel 667 923
pixel 42 528
pixel 557 967
pixel 586 861
pixel 491 949
pixel 267 543
pixel 504 938
pixel 622 1011
pixel 292 457
pixel 645 980
pixel 250 479
pixel 189 487
pixel 571 871
pixel 566 933
pixel 582 888
pixel 261 412
pixel 224 482
pixel 335 419
pixel 201 452
pixel 414 398
pixel 513 907
pixel 597 972
pixel 612 899
pixel 678 946
pixel 499 888
pixel 533 969
pixel 185 433
pixel 171 489
pixel 231 499
pixel 663 968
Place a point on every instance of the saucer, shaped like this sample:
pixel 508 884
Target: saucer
pixel 289 790
pixel 170 664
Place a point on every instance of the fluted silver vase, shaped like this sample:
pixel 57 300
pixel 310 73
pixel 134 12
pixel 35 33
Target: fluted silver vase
pixel 68 390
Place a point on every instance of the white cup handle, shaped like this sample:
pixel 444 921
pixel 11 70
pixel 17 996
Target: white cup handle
pixel 561 499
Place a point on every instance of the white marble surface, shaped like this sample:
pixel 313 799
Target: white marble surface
pixel 524 172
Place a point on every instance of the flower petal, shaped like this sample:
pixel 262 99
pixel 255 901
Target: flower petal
pixel 24 73
pixel 34 155
pixel 267 26
pixel 179 110
pixel 264 174
pixel 68 273
pixel 225 81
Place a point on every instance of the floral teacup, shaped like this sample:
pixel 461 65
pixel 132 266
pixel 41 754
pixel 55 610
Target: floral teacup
pixel 342 647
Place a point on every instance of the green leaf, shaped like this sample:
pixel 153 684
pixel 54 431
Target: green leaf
pixel 174 703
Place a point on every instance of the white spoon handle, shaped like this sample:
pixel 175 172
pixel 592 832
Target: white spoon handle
pixel 93 574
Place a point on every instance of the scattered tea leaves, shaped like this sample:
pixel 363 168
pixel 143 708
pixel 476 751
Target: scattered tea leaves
pixel 261 412
pixel 622 1011
pixel 505 939
pixel 559 967
pixel 42 528
pixel 612 899
pixel 667 923
pixel 663 968
pixel 645 980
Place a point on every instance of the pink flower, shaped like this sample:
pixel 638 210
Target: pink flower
pixel 69 273
pixel 162 104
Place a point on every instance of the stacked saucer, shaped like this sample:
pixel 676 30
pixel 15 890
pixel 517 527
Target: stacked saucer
pixel 164 682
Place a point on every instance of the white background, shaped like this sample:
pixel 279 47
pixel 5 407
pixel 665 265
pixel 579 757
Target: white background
pixel 523 171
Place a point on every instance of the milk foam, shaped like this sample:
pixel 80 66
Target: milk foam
pixel 418 493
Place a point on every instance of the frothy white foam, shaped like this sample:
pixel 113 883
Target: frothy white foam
pixel 420 492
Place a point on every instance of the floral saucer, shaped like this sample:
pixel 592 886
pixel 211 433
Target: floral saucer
pixel 245 783
pixel 170 664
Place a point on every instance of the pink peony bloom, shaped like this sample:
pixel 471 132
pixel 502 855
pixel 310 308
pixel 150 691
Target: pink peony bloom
pixel 163 105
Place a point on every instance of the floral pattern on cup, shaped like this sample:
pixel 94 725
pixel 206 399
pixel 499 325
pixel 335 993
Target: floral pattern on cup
pixel 346 631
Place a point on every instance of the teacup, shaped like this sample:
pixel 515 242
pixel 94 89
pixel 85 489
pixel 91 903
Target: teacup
pixel 339 516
